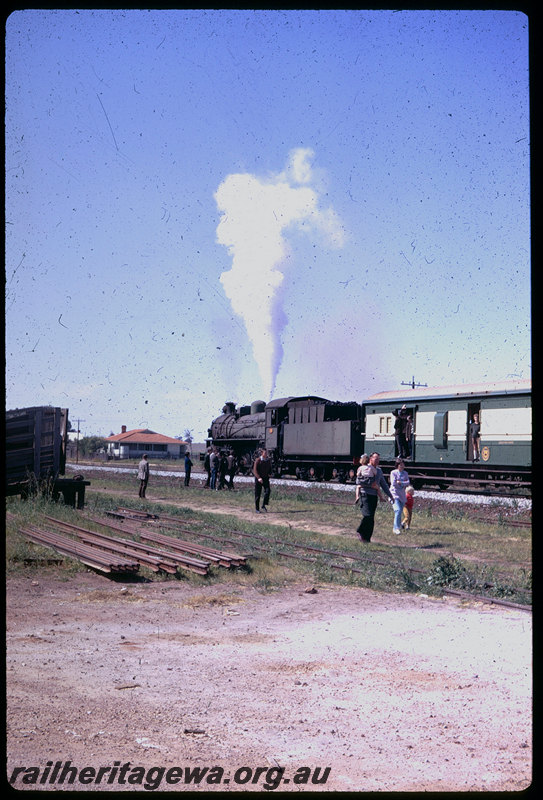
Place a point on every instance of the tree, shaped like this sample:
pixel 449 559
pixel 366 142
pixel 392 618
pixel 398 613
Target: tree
pixel 89 445
pixel 186 437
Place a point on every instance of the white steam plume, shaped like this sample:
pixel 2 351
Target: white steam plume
pixel 255 215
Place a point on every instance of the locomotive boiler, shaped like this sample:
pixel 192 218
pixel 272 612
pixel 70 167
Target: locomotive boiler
pixel 241 431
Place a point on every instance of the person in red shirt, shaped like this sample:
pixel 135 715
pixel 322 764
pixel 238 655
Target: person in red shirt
pixel 408 508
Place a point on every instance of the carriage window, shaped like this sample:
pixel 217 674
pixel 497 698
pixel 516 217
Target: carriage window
pixel 441 421
pixel 384 425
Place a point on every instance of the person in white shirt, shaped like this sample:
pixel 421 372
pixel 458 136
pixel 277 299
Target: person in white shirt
pixel 399 481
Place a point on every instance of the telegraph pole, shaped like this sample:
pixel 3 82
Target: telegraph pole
pixel 77 441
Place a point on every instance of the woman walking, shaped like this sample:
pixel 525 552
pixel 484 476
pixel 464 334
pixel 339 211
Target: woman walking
pixel 399 481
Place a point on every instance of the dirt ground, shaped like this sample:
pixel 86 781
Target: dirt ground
pixel 391 692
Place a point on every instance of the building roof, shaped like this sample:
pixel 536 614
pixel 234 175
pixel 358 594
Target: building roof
pixel 143 436
pixel 461 390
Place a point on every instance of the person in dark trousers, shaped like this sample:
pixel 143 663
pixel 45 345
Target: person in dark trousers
pixel 143 474
pixel 262 472
pixel 207 466
pixel 400 424
pixel 214 462
pixel 368 499
pixel 188 468
pixel 223 467
pixel 231 469
pixel 475 433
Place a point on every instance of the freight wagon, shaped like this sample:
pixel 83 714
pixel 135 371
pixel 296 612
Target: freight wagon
pixel 36 454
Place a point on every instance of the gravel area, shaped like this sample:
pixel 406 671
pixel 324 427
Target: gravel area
pixel 378 692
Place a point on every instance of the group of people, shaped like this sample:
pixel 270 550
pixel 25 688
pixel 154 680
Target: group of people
pixel 371 486
pixel 221 468
pixel 143 472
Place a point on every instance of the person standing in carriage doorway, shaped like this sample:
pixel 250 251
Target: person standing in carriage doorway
pixel 400 425
pixel 475 435
pixel 368 499
pixel 143 474
pixel 262 472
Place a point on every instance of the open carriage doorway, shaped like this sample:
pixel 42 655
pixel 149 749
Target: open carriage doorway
pixel 404 429
pixel 473 408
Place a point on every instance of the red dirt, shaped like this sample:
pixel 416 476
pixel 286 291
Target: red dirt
pixel 392 692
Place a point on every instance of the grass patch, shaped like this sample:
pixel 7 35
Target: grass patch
pixel 446 547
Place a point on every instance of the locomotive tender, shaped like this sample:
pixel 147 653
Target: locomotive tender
pixel 315 438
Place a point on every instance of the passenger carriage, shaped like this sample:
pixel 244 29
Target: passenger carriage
pixel 441 422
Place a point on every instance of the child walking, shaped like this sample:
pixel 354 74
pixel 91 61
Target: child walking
pixel 408 508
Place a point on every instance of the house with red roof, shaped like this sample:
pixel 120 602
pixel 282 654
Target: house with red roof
pixel 133 444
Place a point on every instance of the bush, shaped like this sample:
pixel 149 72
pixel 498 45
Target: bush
pixel 448 571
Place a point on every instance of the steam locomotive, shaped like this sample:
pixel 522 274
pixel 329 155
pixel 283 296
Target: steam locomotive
pixel 318 439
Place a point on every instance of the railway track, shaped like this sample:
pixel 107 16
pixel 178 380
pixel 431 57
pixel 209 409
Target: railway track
pixel 266 545
pixel 506 520
pixel 476 486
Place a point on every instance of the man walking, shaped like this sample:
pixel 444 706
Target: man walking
pixel 262 472
pixel 143 474
pixel 368 500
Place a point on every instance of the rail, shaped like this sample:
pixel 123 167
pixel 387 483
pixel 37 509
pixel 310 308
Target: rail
pixel 90 556
pixel 153 558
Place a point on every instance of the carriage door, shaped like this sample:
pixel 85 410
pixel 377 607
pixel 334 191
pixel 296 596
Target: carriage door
pixel 410 432
pixel 473 408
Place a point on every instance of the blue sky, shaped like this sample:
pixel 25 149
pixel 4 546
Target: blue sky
pixel 215 205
